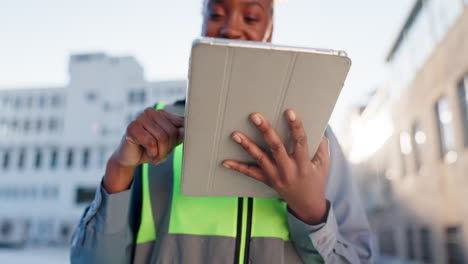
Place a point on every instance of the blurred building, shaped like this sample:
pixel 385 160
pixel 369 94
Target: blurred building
pixel 55 141
pixel 409 144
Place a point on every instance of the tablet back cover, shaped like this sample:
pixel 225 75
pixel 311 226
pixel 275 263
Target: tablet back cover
pixel 228 80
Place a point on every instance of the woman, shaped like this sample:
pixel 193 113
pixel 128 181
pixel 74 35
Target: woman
pixel 140 216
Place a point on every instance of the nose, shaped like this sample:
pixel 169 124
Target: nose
pixel 231 29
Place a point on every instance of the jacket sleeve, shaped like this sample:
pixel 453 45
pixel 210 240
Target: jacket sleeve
pixel 105 233
pixel 345 236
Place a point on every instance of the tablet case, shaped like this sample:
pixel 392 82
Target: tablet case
pixel 228 80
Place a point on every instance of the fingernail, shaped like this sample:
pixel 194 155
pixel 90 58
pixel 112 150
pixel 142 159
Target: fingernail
pixel 236 138
pixel 256 120
pixel 291 115
pixel 226 165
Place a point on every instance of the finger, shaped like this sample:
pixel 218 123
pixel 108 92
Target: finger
pixel 322 156
pixel 298 138
pixel 181 135
pixel 271 137
pixel 160 120
pixel 175 120
pixel 162 138
pixel 249 170
pixel 178 121
pixel 173 133
pixel 262 159
pixel 136 134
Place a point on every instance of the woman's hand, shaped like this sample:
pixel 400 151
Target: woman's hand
pixel 300 181
pixel 150 138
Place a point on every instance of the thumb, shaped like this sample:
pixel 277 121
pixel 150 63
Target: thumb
pixel 176 120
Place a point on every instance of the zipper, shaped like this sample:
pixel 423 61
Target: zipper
pixel 244 230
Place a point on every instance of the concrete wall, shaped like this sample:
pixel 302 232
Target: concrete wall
pixel 434 196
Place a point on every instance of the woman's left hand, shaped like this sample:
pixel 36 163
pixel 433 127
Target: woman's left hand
pixel 300 181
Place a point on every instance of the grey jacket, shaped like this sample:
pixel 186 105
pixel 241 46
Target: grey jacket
pixel 107 230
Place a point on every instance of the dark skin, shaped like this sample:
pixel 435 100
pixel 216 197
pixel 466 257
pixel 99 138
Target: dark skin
pixel 154 134
pixel 242 20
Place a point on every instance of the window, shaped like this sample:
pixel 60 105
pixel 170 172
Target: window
pixel 39 125
pixel 14 125
pixel 54 158
pixel 426 249
pixel 5 192
pixel 410 250
pixel 53 124
pixel 65 231
pixel 106 107
pixel 405 149
pixel 105 131
pixel 463 101
pixel 18 102
pixel 387 243
pixel 7 228
pixel 26 126
pixel 114 61
pixel 33 192
pixel 5 102
pixel 29 101
pixel 86 158
pixel 27 192
pixel 84 195
pixel 6 159
pixel 446 132
pixel 55 101
pixel 50 192
pixel 453 245
pixel 70 158
pixel 54 191
pixel 45 192
pixel 45 227
pixel 3 127
pixel 22 158
pixel 137 97
pixel 419 138
pixel 91 96
pixel 38 159
pixel 42 101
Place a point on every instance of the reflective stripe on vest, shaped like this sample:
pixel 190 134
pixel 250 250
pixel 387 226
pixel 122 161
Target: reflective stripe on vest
pixel 211 216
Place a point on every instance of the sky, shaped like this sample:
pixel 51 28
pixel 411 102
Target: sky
pixel 37 37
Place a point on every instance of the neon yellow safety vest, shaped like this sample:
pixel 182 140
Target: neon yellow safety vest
pixel 201 219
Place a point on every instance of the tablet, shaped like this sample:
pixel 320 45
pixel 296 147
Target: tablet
pixel 229 80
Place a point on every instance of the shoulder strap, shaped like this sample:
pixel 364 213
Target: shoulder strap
pixel 146 230
pixel 136 200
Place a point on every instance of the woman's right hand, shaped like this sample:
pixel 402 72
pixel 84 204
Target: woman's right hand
pixel 150 138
